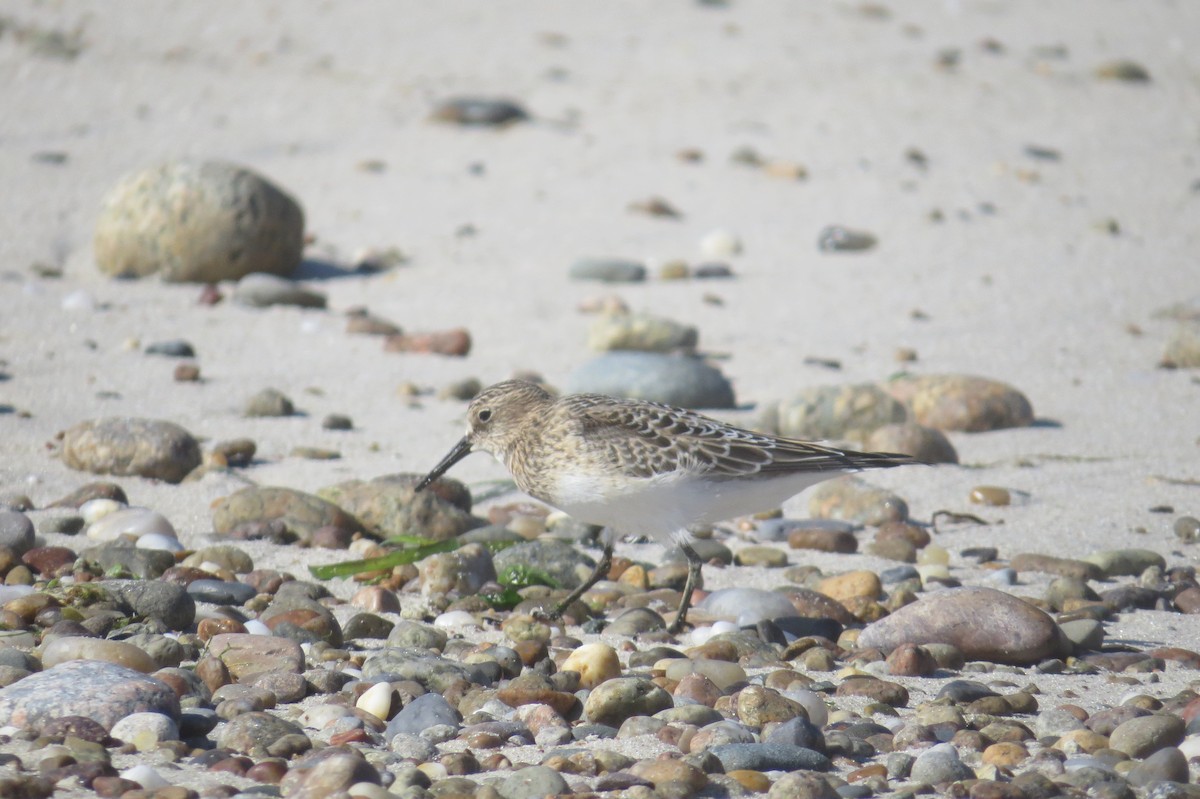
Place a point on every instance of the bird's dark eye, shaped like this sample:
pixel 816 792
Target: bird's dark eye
pixel 484 415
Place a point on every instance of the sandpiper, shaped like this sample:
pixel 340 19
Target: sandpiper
pixel 641 467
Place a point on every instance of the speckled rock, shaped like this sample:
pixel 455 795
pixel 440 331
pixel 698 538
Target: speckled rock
pixel 200 222
pixel 388 506
pixel 246 656
pixel 853 499
pixel 834 412
pixel 301 513
pixel 101 691
pixel 678 380
pixel 926 444
pixel 269 402
pixel 983 623
pixel 332 771
pixel 962 402
pixel 616 700
pixel 260 734
pixel 641 332
pixel 940 765
pixel 129 446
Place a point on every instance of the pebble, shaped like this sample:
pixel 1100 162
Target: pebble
pixel 1049 564
pixel 1187 529
pixel 747 606
pixel 300 514
pixel 533 782
pixel 678 380
pixel 130 523
pixel 16 532
pixel 990 495
pixel 822 539
pixel 145 776
pixel 427 710
pixel 983 623
pixel 389 506
pixel 244 655
pixel 172 348
pixel 221 592
pixel 720 244
pixel 269 402
pixel 608 270
pixel 71 648
pixel 1123 70
pixel 145 730
pixel 962 402
pixel 455 342
pixel 1125 562
pixel 1183 347
pixel 926 444
pixel 102 691
pixel 1168 764
pixel 640 332
pixel 833 412
pixel 1145 735
pixel 853 499
pixel 478 111
pixel 596 662
pixel 940 765
pixel 769 757
pixel 197 222
pixel 262 290
pixel 836 238
pixel 129 446
pixel 616 700
pixel 258 733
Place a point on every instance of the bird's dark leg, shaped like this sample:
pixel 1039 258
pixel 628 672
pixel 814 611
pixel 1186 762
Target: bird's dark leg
pixel 694 564
pixel 598 574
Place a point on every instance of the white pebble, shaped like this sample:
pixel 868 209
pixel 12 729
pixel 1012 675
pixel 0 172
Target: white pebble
pixel 256 627
pixel 454 619
pixel 933 571
pixel 369 790
pixel 321 716
pixel 1190 746
pixel 9 592
pixel 94 510
pixel 818 711
pixel 376 700
pixel 79 300
pixel 159 541
pixel 132 522
pixel 720 243
pixel 146 777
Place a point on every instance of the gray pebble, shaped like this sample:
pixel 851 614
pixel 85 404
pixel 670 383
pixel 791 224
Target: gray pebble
pixel 608 270
pixel 561 561
pixel 940 765
pixel 16 532
pixel 1085 634
pixel 427 710
pixel 836 238
pixel 173 348
pixel 269 402
pixel 261 290
pixel 533 782
pixel 221 592
pixel 678 380
pixel 99 690
pixel 770 757
pixel 256 731
pixel 479 111
pixel 146 564
pixel 129 446
pixel 168 603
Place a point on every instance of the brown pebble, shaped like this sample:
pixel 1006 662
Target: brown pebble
pixel 910 660
pixel 207 628
pixel 269 771
pixel 823 540
pixel 49 561
pixel 235 452
pixel 187 373
pixel 456 342
pixel 990 495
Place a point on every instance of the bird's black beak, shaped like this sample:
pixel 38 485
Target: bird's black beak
pixel 461 450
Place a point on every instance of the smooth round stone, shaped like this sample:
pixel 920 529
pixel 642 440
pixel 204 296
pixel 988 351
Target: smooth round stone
pixel 262 290
pixel 608 270
pixel 221 592
pixel 983 623
pixel 145 776
pixel 614 701
pixel 479 111
pixel 769 757
pixel 11 592
pixel 897 574
pixel 642 332
pixel 720 244
pixel 748 606
pixel 145 730
pixel 1126 562
pixel 940 765
pixel 102 691
pixel 269 402
pixel 1003 577
pixel 130 522
pixel 427 710
pixel 926 444
pixel 256 627
pixel 16 532
pixel 833 412
pixel 533 782
pixel 197 222
pixel 784 529
pixel 853 499
pixel 962 402
pixel 762 557
pixel 376 700
pixel 390 506
pixel 836 238
pixel 678 380
pixel 173 348
pixel 456 619
pixel 595 662
pixel 1084 633
pixel 78 300
pixel 128 446
pixel 813 704
pixel 159 541
pixel 723 674
pixel 1145 735
pixel 93 510
pixel 303 514
pixel 701 635
pixel 62 650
